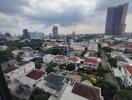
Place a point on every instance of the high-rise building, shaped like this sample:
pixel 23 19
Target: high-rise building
pixel 115 21
pixel 55 31
pixel 25 34
pixel 37 35
pixel 4 91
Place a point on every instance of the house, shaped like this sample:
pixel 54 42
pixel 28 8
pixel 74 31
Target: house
pixel 13 71
pixel 124 72
pixel 29 52
pixel 63 49
pixel 48 58
pixel 3 47
pixel 93 46
pixel 54 84
pixel 91 62
pixel 16 52
pixel 59 59
pixel 73 59
pixel 27 82
pixel 81 91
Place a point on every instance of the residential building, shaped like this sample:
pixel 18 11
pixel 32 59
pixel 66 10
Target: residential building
pixel 91 62
pixel 53 83
pixel 59 59
pixel 93 46
pixel 4 91
pixel 115 21
pixel 48 58
pixel 15 70
pixel 29 52
pixel 3 47
pixel 28 81
pixel 124 72
pixel 63 49
pixel 81 91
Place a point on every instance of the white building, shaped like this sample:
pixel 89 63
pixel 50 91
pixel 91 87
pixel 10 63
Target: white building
pixel 93 46
pixel 48 58
pixel 79 46
pixel 124 72
pixel 16 70
pixel 91 62
pixel 3 47
pixel 29 52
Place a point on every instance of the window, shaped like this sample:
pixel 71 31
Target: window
pixel 90 65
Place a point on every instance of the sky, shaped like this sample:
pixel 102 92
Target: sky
pixel 81 16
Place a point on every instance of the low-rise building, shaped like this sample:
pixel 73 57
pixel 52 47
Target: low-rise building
pixel 14 71
pixel 91 62
pixel 59 59
pixel 48 58
pixel 124 72
pixel 54 84
pixel 3 47
pixel 81 91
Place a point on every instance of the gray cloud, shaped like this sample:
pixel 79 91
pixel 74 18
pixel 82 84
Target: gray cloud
pixel 104 4
pixel 48 12
pixel 13 6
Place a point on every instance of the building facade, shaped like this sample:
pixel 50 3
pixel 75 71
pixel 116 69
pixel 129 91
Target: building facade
pixel 55 31
pixel 4 91
pixel 115 21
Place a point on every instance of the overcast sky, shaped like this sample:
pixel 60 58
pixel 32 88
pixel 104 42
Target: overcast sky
pixel 82 16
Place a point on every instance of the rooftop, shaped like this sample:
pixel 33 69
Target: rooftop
pixel 128 68
pixel 74 59
pixel 91 60
pixel 60 57
pixel 10 69
pixel 35 74
pixel 22 63
pixel 55 79
pixel 87 91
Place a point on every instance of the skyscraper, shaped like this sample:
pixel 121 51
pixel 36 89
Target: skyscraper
pixel 115 21
pixel 55 31
pixel 25 34
pixel 4 91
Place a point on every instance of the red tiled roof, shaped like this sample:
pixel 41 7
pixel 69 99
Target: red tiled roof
pixel 128 68
pixel 35 74
pixel 60 57
pixel 86 91
pixel 75 59
pixel 125 46
pixel 91 60
pixel 10 69
pixel 22 63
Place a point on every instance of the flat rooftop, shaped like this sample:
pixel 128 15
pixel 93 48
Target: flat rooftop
pixel 22 63
pixel 35 74
pixel 10 69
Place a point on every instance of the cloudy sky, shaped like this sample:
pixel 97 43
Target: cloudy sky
pixel 82 16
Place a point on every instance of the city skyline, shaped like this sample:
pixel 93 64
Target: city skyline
pixel 82 16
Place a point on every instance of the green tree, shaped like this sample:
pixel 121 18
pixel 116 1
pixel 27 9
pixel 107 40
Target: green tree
pixel 108 90
pixel 70 67
pixel 53 51
pixel 51 66
pixel 112 61
pixel 107 49
pixel 125 94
